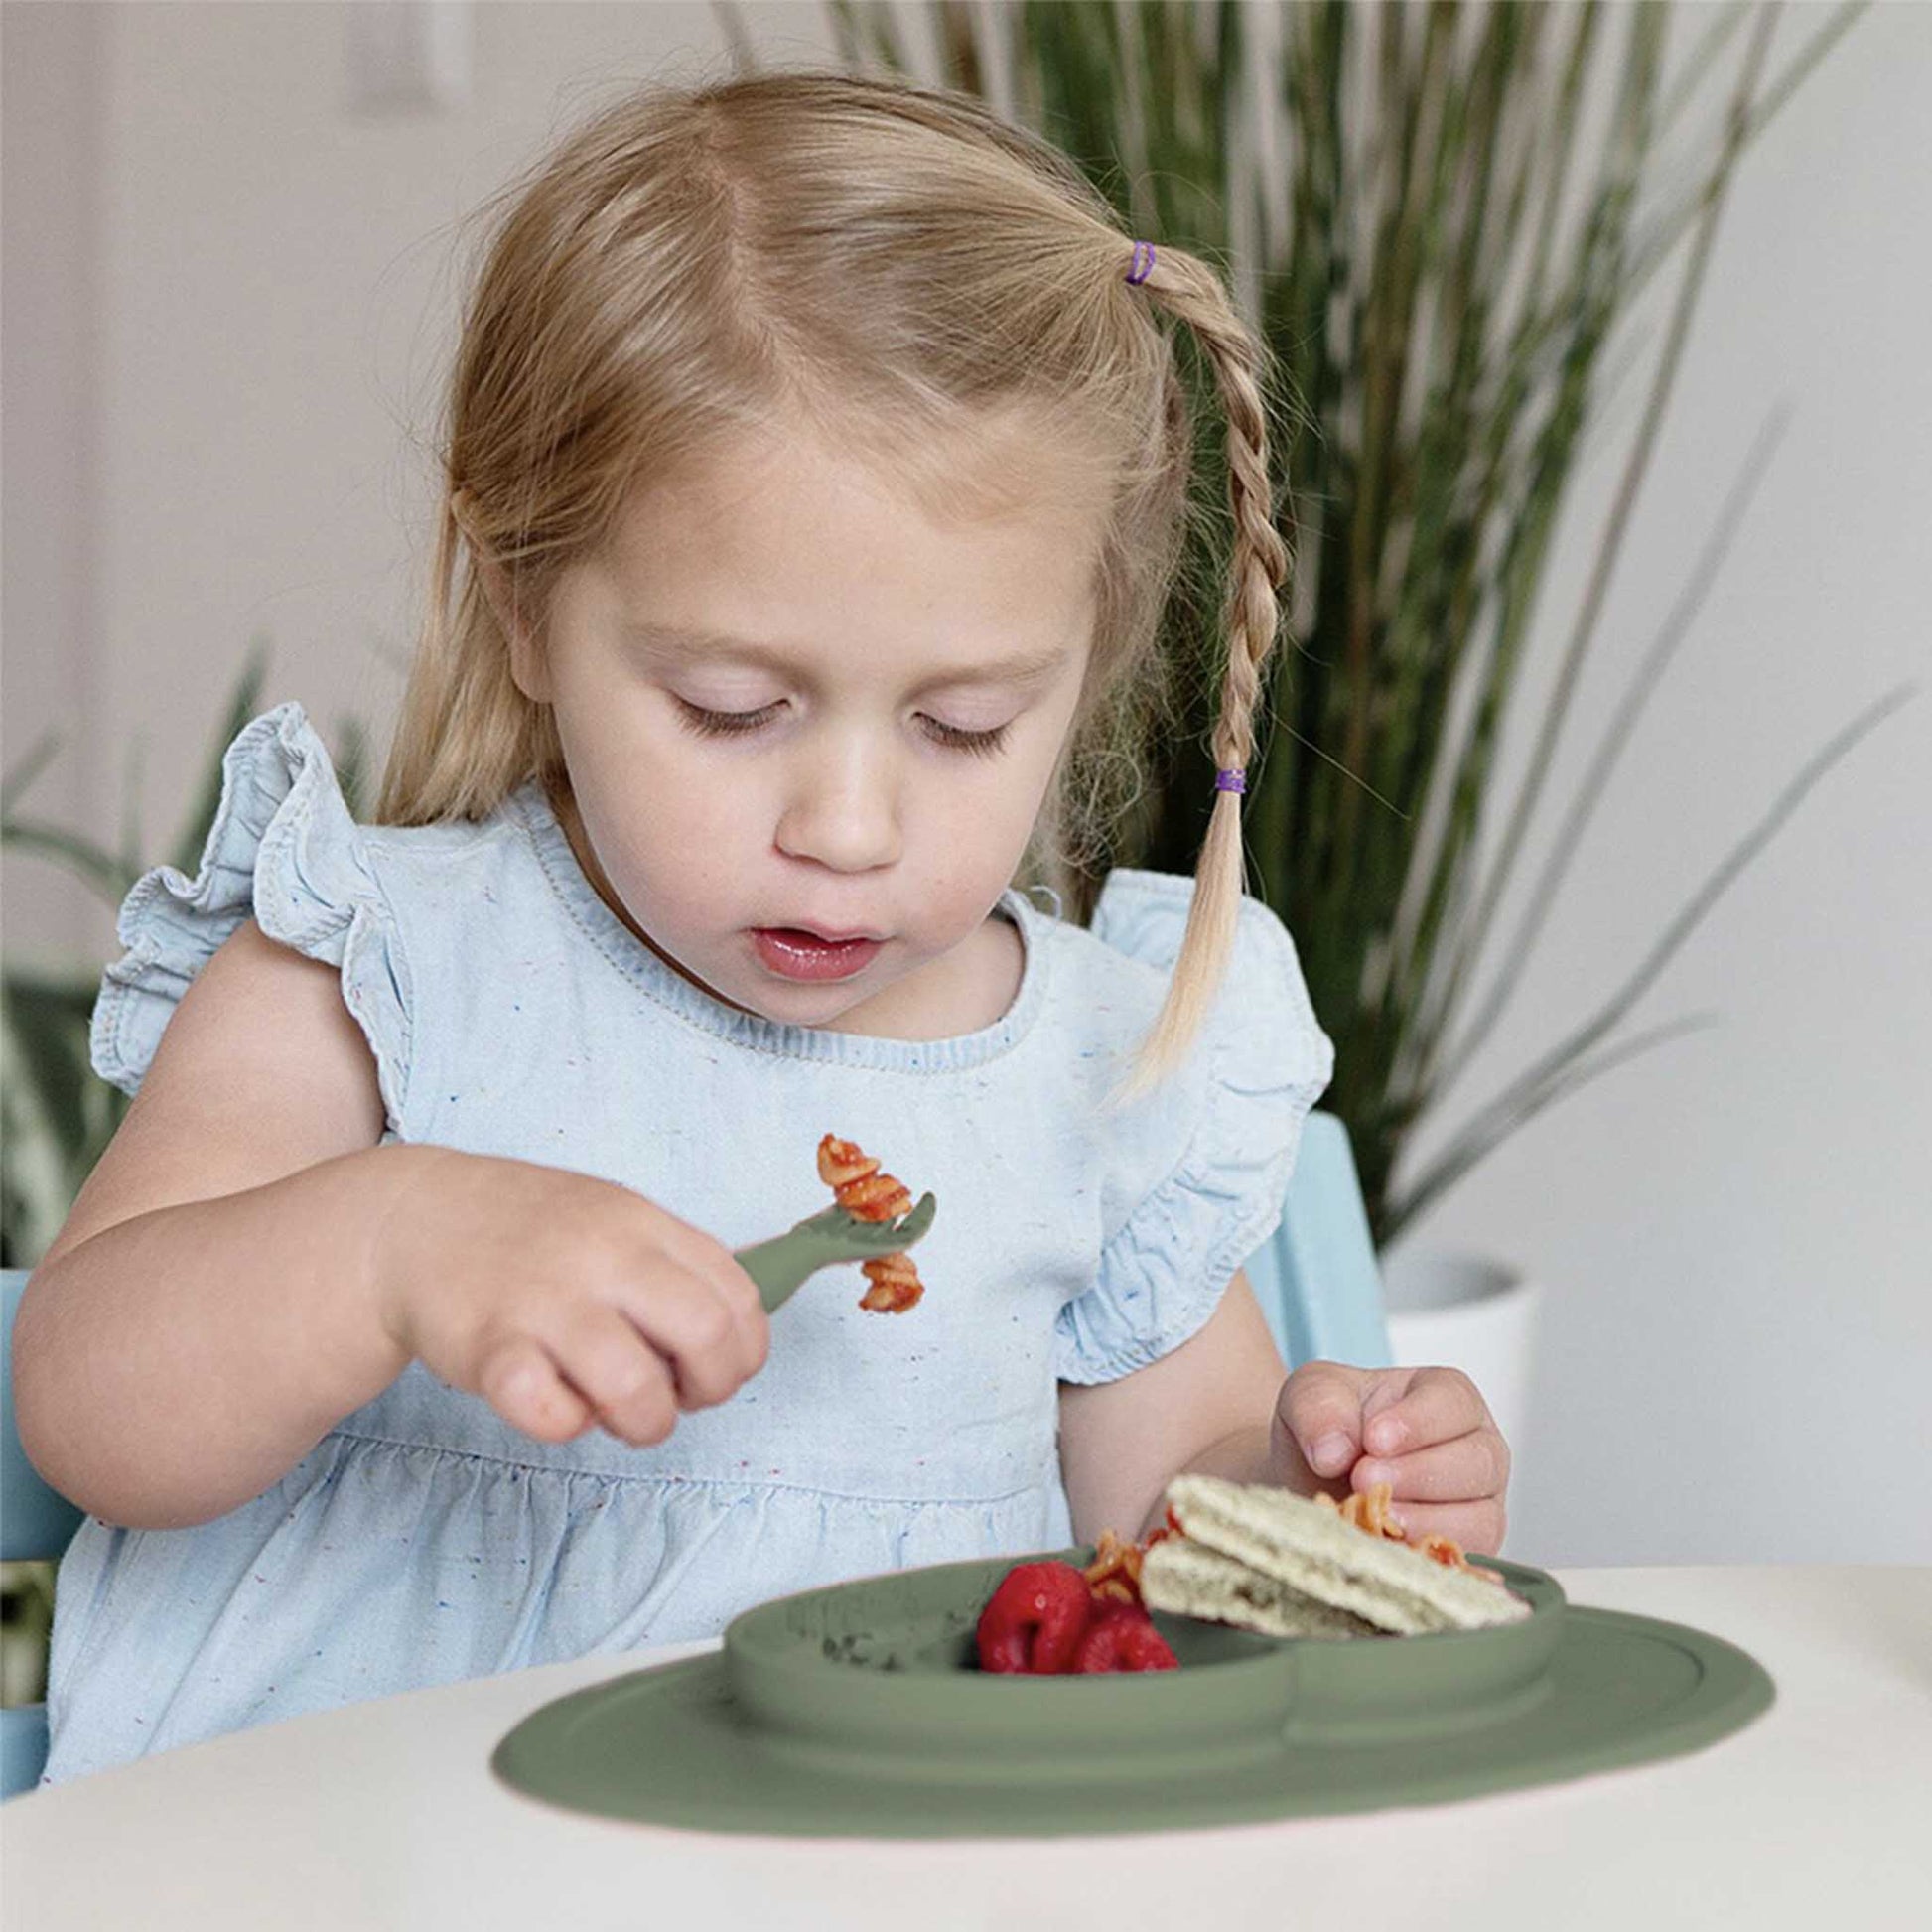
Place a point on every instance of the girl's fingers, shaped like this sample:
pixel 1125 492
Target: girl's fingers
pixel 1438 1404
pixel 1320 1407
pixel 740 1294
pixel 710 1260
pixel 1478 1527
pixel 522 1384
pixel 1471 1468
pixel 626 1381
pixel 709 1342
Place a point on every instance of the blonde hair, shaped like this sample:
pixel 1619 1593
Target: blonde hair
pixel 902 269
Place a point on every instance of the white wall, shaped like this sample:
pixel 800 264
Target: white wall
pixel 51 71
pixel 1734 1232
pixel 227 304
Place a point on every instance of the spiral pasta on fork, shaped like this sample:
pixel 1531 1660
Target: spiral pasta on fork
pixel 867 1194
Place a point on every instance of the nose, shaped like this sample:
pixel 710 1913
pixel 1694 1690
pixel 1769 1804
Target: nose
pixel 842 808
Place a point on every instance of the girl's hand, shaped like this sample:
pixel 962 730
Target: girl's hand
pixel 1425 1431
pixel 562 1299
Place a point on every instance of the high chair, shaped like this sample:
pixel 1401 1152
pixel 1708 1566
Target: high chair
pixel 1315 1277
pixel 1316 1280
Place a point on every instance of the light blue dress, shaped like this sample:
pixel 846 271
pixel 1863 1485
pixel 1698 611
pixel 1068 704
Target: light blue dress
pixel 511 1012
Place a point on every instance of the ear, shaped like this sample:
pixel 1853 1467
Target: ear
pixel 528 670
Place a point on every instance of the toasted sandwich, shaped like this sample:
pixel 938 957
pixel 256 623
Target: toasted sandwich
pixel 1264 1559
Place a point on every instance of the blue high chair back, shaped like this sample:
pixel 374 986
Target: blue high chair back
pixel 36 1525
pixel 1316 1280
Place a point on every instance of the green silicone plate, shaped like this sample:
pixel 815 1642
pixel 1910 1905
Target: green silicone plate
pixel 858 1710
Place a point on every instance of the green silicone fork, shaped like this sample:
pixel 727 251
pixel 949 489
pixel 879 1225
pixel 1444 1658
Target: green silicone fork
pixel 781 1265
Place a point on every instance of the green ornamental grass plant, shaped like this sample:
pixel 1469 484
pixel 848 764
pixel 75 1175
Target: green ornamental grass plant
pixel 1437 261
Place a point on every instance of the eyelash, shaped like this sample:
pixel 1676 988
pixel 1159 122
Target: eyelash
pixel 736 724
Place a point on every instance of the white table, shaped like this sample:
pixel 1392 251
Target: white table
pixel 385 1814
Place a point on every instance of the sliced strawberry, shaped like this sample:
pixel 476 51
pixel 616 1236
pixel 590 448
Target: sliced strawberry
pixel 1122 1637
pixel 1036 1619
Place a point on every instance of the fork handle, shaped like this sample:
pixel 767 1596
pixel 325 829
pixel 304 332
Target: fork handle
pixel 780 1266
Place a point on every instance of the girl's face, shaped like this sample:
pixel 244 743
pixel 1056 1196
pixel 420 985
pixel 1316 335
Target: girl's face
pixel 788 701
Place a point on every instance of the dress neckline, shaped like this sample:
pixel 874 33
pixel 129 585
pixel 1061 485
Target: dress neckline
pixel 530 807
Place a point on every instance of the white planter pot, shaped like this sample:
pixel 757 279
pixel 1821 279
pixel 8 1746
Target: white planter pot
pixel 1454 1309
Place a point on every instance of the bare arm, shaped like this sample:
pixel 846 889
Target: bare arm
pixel 1207 1407
pixel 208 1313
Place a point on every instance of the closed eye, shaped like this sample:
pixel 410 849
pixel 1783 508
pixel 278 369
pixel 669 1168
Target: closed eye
pixel 724 724
pixel 982 743
pixel 734 724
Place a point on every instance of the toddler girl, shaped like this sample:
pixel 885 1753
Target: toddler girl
pixel 820 468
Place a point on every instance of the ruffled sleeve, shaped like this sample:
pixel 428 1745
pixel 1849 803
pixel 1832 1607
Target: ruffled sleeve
pixel 283 849
pixel 1234 1129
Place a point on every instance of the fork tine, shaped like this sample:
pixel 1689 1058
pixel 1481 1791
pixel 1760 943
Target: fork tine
pixel 918 1221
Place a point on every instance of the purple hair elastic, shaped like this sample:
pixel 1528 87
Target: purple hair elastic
pixel 1228 779
pixel 1140 274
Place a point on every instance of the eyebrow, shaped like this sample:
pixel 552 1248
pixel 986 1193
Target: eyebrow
pixel 1025 668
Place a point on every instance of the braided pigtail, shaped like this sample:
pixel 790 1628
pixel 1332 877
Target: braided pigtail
pixel 1189 290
